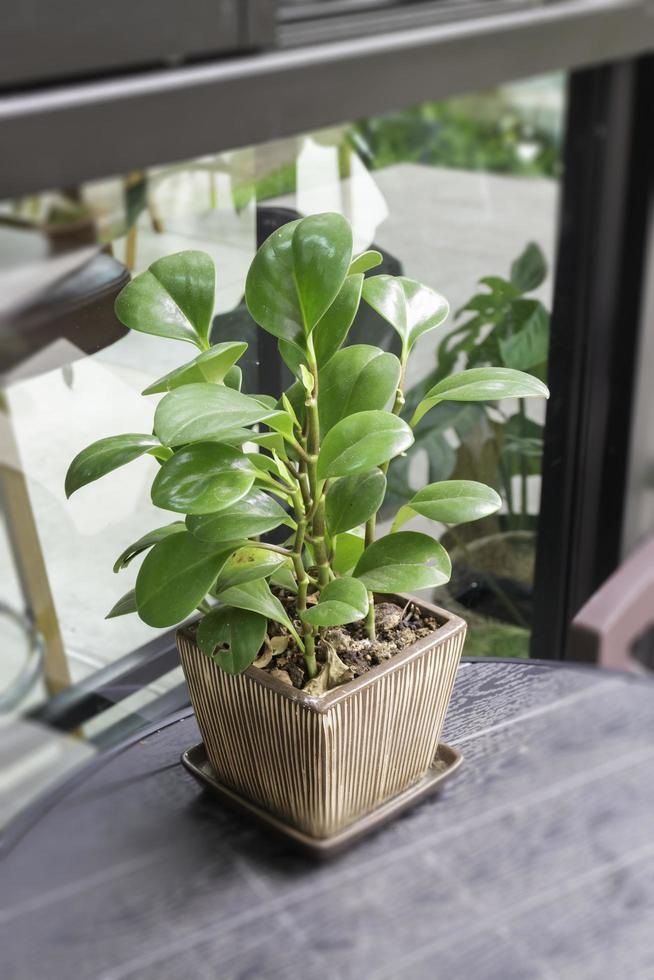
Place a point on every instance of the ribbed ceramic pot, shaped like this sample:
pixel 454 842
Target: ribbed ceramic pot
pixel 320 763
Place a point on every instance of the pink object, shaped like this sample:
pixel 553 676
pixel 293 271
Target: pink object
pixel 606 627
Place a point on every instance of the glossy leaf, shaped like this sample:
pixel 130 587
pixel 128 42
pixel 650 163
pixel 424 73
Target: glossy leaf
pixel 203 412
pixel 361 441
pixel 147 541
pixel 403 562
pixel 330 331
pixel 248 564
pixel 529 269
pixel 174 298
pixel 481 384
pixel 237 633
pixel 348 548
pixel 351 500
pixel 174 578
pixel 344 600
pixel 411 308
pixel 257 597
pixel 233 378
pixel 125 605
pixel 297 273
pixel 105 455
pixel 322 252
pixel 211 365
pixel 455 501
pixel 366 261
pixel 253 514
pixel 356 379
pixel 202 479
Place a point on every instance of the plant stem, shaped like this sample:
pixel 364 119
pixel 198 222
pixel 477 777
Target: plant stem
pixel 302 582
pixel 371 523
pixel 317 487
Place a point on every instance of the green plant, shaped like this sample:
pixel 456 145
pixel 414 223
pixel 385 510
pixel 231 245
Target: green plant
pixel 504 325
pixel 236 466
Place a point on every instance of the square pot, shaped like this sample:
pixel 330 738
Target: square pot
pixel 320 763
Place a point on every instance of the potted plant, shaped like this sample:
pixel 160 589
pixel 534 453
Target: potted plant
pixel 319 692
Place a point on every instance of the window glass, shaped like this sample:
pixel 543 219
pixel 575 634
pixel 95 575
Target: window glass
pixel 461 195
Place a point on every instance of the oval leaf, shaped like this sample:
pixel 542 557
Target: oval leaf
pixel 173 298
pixel 403 562
pixel 257 597
pixel 411 308
pixel 345 600
pixel 174 579
pixel 362 441
pixel 211 365
pixel 348 548
pixel 322 252
pixel 125 605
pixel 456 501
pixel 529 269
pixel 255 513
pixel 366 261
pixel 481 385
pixel 330 331
pixel 351 500
pixel 270 292
pixel 357 379
pixel 238 634
pixel 247 565
pixel 203 479
pixel 147 541
pixel 201 412
pixel 105 455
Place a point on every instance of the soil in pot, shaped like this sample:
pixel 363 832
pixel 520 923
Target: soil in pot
pixel 345 652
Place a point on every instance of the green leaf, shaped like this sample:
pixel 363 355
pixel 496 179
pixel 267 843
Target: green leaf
pixel 366 261
pixel 248 564
pixel 348 548
pixel 322 252
pixel 529 269
pixel 203 412
pixel 345 600
pixel 174 579
pixel 174 298
pixel 402 562
pixel 211 365
pixel 257 597
pixel 330 331
pixel 147 541
pixel 237 632
pixel 125 605
pixel 105 455
pixel 456 501
pixel 411 308
pixel 480 385
pixel 233 378
pixel 297 273
pixel 253 514
pixel 351 500
pixel 202 479
pixel 357 379
pixel 332 328
pixel 361 441
pixel 270 292
pixel 528 346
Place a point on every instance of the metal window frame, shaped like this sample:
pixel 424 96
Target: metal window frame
pixel 596 321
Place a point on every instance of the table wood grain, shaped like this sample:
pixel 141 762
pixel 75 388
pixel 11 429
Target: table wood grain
pixel 536 861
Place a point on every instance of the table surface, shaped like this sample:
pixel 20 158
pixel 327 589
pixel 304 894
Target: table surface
pixel 535 861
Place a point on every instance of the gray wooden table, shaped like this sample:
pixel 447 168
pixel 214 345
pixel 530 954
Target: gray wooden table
pixel 536 861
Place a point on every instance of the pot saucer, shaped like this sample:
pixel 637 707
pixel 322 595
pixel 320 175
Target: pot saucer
pixel 446 761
